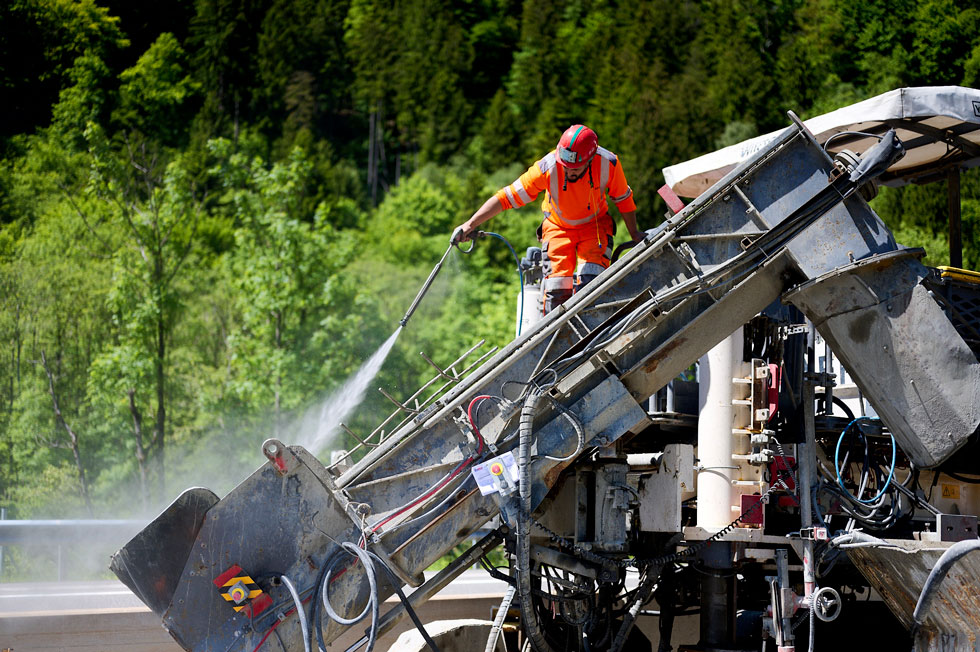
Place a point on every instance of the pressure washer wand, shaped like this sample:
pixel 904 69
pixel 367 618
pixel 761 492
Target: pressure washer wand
pixel 425 287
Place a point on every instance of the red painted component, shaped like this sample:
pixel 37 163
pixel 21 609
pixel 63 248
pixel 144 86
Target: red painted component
pixel 258 605
pixel 279 463
pixel 674 202
pixel 775 378
pixel 234 571
pixel 779 464
pixel 758 515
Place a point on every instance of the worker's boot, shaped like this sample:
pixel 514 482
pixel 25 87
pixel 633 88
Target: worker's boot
pixel 557 290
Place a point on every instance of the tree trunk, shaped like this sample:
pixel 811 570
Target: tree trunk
pixel 73 438
pixel 20 347
pixel 371 177
pixel 278 370
pixel 161 421
pixel 140 452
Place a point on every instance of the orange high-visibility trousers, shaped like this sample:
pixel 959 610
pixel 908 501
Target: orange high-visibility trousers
pixel 566 246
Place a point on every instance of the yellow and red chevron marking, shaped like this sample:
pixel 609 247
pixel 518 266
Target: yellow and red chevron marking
pixel 244 579
pixel 239 584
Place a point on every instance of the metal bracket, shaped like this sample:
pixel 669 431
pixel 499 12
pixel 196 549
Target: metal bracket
pixel 814 534
pixel 686 255
pixel 395 401
pixel 820 378
pixel 413 581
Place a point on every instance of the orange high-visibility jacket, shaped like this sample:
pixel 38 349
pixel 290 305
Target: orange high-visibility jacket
pixel 572 204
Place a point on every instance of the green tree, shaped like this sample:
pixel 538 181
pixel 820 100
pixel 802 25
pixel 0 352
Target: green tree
pixel 154 94
pixel 303 69
pixel 282 260
pixel 222 39
pixel 146 224
pixel 40 43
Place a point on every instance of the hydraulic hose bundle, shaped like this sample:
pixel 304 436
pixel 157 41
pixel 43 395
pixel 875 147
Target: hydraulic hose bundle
pixel 530 618
pixel 886 507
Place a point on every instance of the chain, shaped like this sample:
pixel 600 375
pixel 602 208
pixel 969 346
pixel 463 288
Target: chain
pixel 565 543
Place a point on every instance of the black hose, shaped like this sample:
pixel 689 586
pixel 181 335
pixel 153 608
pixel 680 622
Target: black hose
pixel 396 583
pixel 958 477
pixel 620 248
pixel 530 618
pixel 839 402
pixel 643 596
pixel 952 555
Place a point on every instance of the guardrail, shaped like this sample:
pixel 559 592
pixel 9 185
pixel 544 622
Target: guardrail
pixel 59 533
pixel 66 533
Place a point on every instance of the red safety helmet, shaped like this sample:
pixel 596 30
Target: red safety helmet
pixel 577 146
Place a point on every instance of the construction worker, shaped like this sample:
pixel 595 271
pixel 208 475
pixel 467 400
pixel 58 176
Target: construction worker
pixel 577 231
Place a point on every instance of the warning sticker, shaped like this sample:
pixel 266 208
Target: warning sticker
pixel 497 474
pixel 951 491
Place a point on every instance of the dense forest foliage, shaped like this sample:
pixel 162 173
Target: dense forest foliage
pixel 213 211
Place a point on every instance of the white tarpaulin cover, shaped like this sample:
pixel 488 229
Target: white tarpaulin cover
pixel 939 126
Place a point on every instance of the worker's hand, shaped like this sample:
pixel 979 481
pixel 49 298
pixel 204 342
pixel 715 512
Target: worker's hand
pixel 462 233
pixel 637 235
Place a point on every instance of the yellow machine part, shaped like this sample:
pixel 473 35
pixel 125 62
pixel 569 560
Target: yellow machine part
pixel 962 275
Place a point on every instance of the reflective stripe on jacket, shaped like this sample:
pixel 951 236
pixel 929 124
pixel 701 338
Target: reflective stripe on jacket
pixel 571 204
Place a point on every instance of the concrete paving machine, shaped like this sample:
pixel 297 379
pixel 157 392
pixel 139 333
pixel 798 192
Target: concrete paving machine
pixel 615 473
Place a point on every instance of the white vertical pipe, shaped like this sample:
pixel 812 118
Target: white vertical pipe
pixel 715 421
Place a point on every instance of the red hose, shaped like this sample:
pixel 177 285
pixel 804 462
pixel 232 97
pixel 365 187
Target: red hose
pixel 469 415
pixel 469 460
pixel 427 494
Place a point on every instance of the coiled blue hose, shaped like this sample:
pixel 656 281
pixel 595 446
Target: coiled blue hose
pixel 840 481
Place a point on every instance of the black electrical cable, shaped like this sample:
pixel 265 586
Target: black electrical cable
pixel 495 573
pixel 959 478
pixel 396 584
pixel 611 331
pixel 451 495
pixel 637 562
pixel 759 252
pixel 849 133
